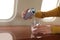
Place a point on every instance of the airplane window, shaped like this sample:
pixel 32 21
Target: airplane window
pixel 7 8
pixel 48 5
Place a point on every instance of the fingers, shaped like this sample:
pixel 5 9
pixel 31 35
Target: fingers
pixel 42 29
pixel 23 13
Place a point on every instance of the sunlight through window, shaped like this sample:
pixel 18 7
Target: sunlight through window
pixel 6 9
pixel 48 5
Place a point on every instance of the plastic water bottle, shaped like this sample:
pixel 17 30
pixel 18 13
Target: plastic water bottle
pixel 29 13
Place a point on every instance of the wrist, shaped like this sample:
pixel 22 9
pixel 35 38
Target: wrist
pixel 39 14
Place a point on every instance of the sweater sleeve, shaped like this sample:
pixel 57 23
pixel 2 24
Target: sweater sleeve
pixel 52 13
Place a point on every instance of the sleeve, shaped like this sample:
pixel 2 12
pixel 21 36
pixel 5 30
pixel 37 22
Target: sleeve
pixel 52 13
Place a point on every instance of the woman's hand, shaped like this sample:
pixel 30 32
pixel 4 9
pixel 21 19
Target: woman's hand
pixel 44 29
pixel 24 13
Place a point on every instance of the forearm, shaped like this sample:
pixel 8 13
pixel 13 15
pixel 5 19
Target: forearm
pixel 53 13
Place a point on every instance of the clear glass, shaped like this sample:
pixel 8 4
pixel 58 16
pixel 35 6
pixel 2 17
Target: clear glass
pixel 38 29
pixel 34 27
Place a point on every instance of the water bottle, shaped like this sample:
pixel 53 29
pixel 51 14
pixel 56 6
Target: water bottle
pixel 29 13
